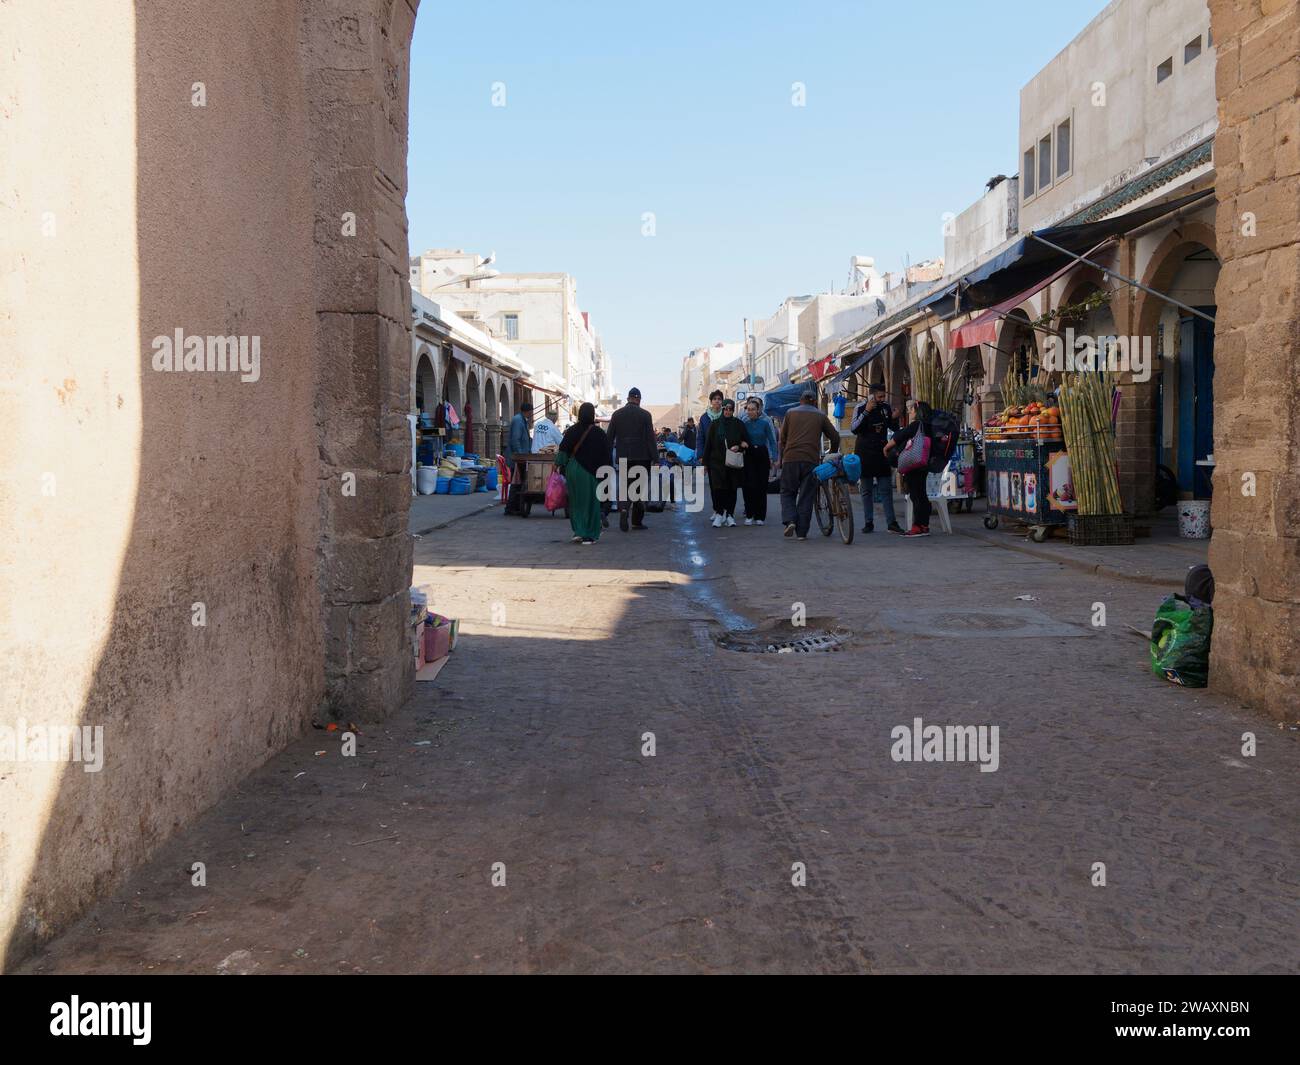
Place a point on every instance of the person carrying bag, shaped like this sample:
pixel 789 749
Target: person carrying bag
pixel 914 463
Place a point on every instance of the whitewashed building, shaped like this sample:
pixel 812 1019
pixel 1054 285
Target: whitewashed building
pixel 536 314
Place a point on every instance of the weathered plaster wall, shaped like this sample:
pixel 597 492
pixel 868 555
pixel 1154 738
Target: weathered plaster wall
pixel 1255 552
pixel 130 494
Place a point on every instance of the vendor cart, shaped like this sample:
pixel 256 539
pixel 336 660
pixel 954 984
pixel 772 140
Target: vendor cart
pixel 958 482
pixel 1028 478
pixel 537 471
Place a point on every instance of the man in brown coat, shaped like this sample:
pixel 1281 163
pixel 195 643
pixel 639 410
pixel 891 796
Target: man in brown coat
pixel 802 430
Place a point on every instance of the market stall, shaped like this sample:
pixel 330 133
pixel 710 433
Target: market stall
pixel 1028 472
pixel 1051 460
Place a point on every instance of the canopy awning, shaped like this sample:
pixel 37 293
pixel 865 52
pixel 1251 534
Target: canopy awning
pixel 866 357
pixel 819 368
pixel 779 400
pixel 1026 261
pixel 984 329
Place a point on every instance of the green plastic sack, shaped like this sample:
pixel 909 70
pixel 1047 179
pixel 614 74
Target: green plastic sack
pixel 1180 642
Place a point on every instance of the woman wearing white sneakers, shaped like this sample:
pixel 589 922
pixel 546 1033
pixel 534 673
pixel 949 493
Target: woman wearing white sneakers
pixel 724 455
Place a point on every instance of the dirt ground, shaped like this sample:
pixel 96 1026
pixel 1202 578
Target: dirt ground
pixel 528 751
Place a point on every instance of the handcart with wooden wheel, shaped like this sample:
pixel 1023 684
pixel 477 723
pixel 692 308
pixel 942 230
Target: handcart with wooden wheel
pixel 537 471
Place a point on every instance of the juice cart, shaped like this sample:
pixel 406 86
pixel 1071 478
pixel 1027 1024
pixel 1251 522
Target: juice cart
pixel 1028 478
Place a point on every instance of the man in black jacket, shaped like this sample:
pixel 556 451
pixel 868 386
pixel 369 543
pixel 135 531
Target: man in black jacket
pixel 632 435
pixel 871 419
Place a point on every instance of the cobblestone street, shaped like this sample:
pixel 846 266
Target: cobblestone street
pixel 527 751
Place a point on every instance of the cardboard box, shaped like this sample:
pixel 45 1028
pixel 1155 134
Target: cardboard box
pixel 437 642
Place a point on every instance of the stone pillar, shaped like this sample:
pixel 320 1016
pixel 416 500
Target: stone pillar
pixel 1135 433
pixel 355 59
pixel 1255 552
pixel 1135 428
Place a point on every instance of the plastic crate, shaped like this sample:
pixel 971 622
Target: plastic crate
pixel 1100 530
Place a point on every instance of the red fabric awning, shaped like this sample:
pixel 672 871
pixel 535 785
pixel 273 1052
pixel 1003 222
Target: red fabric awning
pixel 822 367
pixel 984 328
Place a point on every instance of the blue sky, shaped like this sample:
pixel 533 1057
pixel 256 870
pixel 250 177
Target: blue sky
pixel 684 110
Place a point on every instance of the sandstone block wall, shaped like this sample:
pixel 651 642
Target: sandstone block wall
pixel 1255 552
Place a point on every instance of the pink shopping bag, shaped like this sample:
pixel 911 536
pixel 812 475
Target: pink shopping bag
pixel 557 494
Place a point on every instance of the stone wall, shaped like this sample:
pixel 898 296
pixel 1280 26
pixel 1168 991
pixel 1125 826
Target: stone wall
pixel 355 62
pixel 1255 552
pixel 180 563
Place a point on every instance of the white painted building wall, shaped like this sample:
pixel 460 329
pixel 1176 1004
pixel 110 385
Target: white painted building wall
pixel 773 359
pixel 829 319
pixel 984 226
pixel 1123 118
pixel 695 373
pixel 540 309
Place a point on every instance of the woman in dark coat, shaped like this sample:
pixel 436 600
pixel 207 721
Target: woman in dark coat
pixel 918 423
pixel 583 451
pixel 726 433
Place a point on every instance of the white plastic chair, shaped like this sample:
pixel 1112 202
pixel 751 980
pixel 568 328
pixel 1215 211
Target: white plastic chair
pixel 938 503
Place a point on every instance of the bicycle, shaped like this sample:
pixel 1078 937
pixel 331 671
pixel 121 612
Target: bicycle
pixel 834 503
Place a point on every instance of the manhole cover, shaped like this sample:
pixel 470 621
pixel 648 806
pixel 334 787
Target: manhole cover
pixel 784 642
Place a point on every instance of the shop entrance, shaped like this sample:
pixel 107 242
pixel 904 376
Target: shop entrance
pixel 1196 401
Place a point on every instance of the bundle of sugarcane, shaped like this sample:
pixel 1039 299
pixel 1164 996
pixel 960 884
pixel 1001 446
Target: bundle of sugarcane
pixel 941 389
pixel 1021 386
pixel 1085 400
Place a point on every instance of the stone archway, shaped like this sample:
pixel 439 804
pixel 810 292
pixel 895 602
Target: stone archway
pixel 453 390
pixel 1168 258
pixel 426 389
pixel 473 411
pixel 1016 339
pixel 1186 267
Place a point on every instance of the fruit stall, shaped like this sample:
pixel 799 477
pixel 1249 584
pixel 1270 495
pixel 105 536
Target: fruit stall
pixel 1027 469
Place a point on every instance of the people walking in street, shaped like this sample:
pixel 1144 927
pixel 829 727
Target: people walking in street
pixel 873 419
pixel 583 451
pixel 518 442
pixel 760 457
pixel 724 451
pixel 688 434
pixel 632 435
pixel 918 425
pixel 714 412
pixel 802 430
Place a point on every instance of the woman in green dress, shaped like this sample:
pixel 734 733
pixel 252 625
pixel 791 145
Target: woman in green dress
pixel 726 434
pixel 583 451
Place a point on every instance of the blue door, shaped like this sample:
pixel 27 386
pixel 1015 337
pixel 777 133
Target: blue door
pixel 1195 402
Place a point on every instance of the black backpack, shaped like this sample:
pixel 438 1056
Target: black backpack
pixel 943 440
